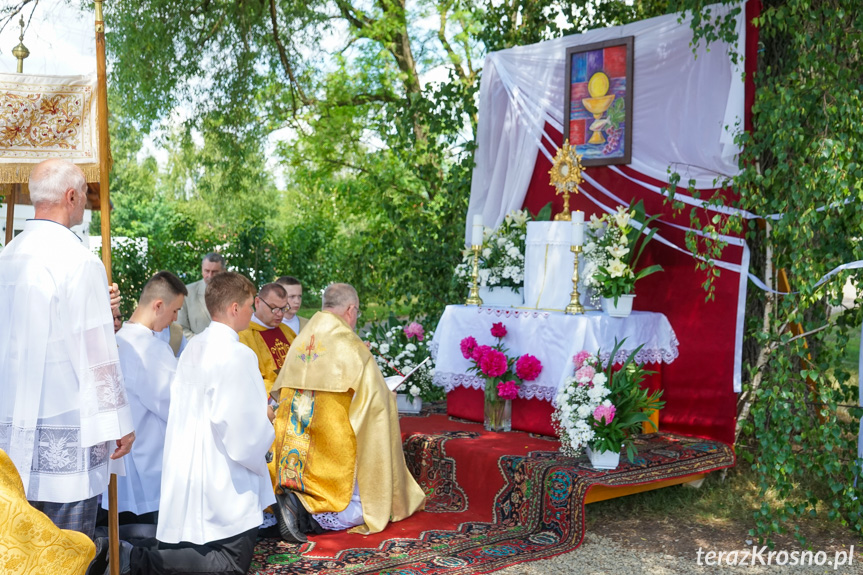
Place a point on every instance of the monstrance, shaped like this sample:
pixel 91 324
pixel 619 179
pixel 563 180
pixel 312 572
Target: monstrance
pixel 565 176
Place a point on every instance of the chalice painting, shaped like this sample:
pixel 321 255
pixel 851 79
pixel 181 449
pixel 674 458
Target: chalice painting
pixel 598 101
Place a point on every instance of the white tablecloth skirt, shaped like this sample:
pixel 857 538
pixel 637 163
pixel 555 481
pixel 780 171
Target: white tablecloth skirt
pixel 553 337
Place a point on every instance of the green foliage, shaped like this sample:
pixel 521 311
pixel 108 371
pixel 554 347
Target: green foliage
pixel 801 161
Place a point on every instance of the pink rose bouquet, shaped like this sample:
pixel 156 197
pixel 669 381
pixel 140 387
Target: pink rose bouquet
pixel 503 374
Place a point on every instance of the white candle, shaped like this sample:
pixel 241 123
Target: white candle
pixel 476 236
pixel 577 229
pixel 578 216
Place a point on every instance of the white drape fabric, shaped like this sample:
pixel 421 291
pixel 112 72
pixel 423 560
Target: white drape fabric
pixel 61 386
pixel 148 365
pixel 551 337
pixel 685 110
pixel 215 482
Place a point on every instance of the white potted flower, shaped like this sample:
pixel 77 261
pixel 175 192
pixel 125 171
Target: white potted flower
pixel 397 348
pixel 612 252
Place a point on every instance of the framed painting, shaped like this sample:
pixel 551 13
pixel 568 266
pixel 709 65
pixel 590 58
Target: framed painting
pixel 598 101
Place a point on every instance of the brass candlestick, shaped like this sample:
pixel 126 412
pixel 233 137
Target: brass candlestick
pixel 473 297
pixel 575 306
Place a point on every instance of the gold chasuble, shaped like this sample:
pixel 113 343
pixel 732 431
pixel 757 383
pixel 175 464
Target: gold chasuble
pixel 29 541
pixel 337 423
pixel 271 346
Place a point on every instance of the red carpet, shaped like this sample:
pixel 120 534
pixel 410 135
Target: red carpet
pixel 494 499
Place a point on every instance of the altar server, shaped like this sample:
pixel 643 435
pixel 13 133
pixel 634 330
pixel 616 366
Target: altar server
pixel 338 441
pixel 215 484
pixel 148 365
pixel 63 402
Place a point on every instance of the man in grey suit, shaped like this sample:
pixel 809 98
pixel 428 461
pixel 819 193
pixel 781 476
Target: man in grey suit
pixel 194 316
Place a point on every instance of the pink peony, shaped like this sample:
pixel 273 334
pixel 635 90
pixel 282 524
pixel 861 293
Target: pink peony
pixel 604 411
pixel 478 352
pixel 528 367
pixel 507 390
pixel 585 374
pixel 467 346
pixel 493 363
pixel 498 329
pixel 416 330
pixel 579 358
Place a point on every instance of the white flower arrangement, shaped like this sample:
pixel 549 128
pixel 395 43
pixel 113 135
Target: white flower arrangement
pixel 602 407
pixel 397 348
pixel 612 251
pixel 502 256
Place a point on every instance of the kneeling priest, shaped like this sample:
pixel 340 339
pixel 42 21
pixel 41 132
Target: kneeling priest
pixel 338 441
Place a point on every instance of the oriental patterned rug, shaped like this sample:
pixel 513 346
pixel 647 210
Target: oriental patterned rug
pixel 494 500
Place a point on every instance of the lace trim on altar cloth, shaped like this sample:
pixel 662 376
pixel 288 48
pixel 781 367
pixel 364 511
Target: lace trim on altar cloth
pixel 529 390
pixel 510 312
pixel 645 356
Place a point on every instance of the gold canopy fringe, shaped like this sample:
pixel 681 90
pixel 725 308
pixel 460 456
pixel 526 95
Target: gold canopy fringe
pixel 20 173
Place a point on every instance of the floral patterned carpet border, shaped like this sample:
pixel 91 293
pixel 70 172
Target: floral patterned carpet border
pixel 537 513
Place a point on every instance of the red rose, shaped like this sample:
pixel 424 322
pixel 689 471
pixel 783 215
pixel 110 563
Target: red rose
pixel 493 363
pixel 498 329
pixel 528 367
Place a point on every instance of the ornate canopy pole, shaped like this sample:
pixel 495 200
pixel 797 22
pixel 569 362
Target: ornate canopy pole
pixel 20 52
pixel 104 144
pixel 105 211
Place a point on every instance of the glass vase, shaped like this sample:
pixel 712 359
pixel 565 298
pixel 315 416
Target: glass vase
pixel 498 414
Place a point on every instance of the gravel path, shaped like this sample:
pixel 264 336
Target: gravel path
pixel 600 555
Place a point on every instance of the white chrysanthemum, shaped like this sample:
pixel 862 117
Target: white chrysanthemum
pixel 415 391
pixel 410 347
pixel 600 379
pixel 385 348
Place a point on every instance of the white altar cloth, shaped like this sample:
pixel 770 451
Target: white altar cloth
pixel 552 337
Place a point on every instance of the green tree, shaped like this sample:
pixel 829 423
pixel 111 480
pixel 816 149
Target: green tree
pixel 798 419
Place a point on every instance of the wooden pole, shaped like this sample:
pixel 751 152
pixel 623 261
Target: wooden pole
pixel 105 211
pixel 10 211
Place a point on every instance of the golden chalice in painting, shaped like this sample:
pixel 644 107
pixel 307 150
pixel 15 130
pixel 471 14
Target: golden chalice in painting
pixel 598 103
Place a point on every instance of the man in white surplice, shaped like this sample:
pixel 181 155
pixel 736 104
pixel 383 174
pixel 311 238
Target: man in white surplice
pixel 63 402
pixel 215 483
pixel 148 365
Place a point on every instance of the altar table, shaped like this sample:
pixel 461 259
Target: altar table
pixel 554 338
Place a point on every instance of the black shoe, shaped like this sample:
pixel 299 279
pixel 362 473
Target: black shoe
pixel 99 565
pixel 288 509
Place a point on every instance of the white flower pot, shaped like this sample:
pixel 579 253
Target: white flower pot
pixel 623 307
pixel 502 296
pixel 408 404
pixel 603 459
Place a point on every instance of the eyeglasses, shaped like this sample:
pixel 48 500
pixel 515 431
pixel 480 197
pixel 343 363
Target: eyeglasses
pixel 274 309
pixel 359 313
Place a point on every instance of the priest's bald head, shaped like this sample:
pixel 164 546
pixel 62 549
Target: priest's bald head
pixel 58 191
pixel 343 301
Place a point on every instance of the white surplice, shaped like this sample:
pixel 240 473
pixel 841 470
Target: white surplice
pixel 148 365
pixel 215 482
pixel 63 402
